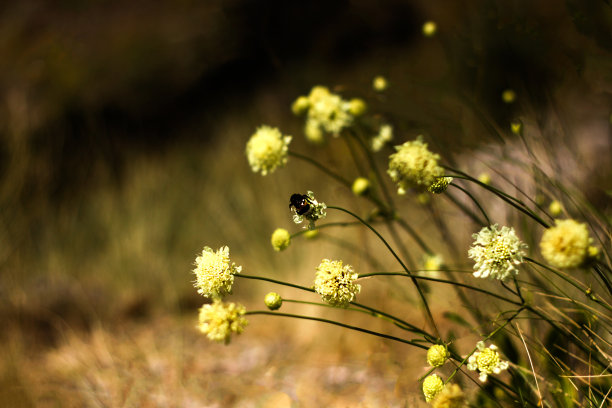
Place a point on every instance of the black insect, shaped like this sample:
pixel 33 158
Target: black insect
pixel 301 203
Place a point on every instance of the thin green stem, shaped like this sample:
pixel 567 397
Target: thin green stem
pixel 475 202
pixel 346 326
pixel 493 333
pixel 516 203
pixel 414 281
pixel 321 167
pixel 241 275
pixel 426 278
pixel 372 311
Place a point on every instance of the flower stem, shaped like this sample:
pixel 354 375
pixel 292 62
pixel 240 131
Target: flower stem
pixel 414 281
pixel 346 326
pixel 321 167
pixel 241 275
pixel 426 278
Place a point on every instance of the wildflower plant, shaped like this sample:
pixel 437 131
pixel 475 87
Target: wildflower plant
pixel 552 327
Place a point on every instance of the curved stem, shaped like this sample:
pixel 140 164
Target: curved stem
pixel 493 333
pixel 346 326
pixel 426 278
pixel 241 275
pixel 414 281
pixel 321 167
pixel 475 202
pixel 516 203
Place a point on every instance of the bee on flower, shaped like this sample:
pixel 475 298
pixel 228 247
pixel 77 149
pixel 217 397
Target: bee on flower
pixel 306 207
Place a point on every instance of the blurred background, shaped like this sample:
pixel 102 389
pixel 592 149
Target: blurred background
pixel 122 134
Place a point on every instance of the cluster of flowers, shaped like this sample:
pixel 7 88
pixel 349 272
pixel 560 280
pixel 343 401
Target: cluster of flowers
pixel 497 251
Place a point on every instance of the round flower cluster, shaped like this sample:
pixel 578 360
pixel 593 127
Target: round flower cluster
pixel 566 244
pixel 414 166
pixel 219 320
pixel 432 385
pixel 336 283
pixel 281 239
pixel 214 272
pixel 267 150
pixel 326 111
pixel 450 397
pixel 486 361
pixel 437 355
pixel 497 252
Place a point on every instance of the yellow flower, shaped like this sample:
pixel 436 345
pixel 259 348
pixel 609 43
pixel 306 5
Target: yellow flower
pixel 214 272
pixel 566 244
pixel 361 185
pixel 379 83
pixel 508 96
pixel 273 301
pixel 300 105
pixel 357 107
pixel 555 208
pixel 437 355
pixel 450 397
pixel 413 165
pixel 267 150
pixel 484 178
pixel 429 28
pixel 432 385
pixel 384 136
pixel 281 239
pixel 219 320
pixel 336 283
pixel 497 252
pixel 516 127
pixel 486 361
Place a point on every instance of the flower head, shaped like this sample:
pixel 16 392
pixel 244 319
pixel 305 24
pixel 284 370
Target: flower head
pixel 384 136
pixel 486 361
pixel 437 355
pixel 336 283
pixel 440 185
pixel 267 150
pixel 413 165
pixel 497 252
pixel 306 207
pixel 380 83
pixel 273 301
pixel 566 244
pixel 450 397
pixel 361 185
pixel 508 96
pixel 432 385
pixel 326 111
pixel 555 208
pixel 429 28
pixel 214 272
pixel 357 107
pixel 219 320
pixel 281 239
